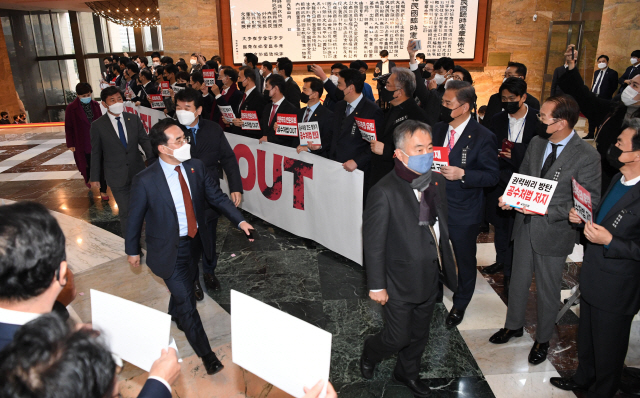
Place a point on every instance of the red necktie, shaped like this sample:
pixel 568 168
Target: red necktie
pixel 192 224
pixel 244 98
pixel 273 113
pixel 306 116
pixel 452 141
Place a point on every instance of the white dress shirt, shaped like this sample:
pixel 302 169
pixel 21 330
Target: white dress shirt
pixel 355 103
pixel 516 127
pixel 173 181
pixel 114 122
pixel 459 131
pixel 12 317
pixel 598 82
pixel 385 67
pixel 629 183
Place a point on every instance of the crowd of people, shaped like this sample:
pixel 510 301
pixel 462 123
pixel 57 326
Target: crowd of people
pixel 419 226
pixel 17 119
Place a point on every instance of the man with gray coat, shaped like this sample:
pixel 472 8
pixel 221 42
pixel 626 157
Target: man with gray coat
pixel 543 242
pixel 115 137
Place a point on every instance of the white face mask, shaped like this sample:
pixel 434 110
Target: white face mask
pixel 275 71
pixel 602 65
pixel 156 64
pixel 185 117
pixel 634 61
pixel 334 80
pixel 193 62
pixel 261 72
pixel 116 108
pixel 439 79
pixel 383 59
pixel 181 154
pixel 629 95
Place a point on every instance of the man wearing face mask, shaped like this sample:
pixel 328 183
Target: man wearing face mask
pixel 146 87
pixel 273 89
pixel 208 144
pixel 292 90
pixel 631 71
pixel 251 61
pixel 115 137
pixel 443 70
pixel 4 118
pixel 473 166
pixel 252 100
pixel 383 67
pixel 541 243
pixel 429 99
pixel 515 126
pixel 401 84
pixel 609 274
pixel 171 197
pixel 169 73
pixel 605 79
pixel 407 250
pixel 228 95
pixel 330 84
pixel 607 115
pixel 315 112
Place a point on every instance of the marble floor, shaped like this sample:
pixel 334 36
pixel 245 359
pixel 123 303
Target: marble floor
pixel 297 276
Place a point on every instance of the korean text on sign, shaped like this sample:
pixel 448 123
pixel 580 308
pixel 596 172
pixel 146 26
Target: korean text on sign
pixel 440 158
pixel 367 128
pixel 165 86
pixel 530 193
pixel 227 112
pixel 582 201
pixel 250 120
pixel 309 132
pixel 209 76
pixel 156 101
pixel 287 125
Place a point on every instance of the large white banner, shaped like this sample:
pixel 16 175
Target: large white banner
pixel 305 194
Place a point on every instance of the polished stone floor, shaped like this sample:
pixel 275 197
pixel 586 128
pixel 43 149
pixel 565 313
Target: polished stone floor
pixel 299 277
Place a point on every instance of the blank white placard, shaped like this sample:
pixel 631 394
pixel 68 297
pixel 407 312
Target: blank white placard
pixel 132 331
pixel 277 347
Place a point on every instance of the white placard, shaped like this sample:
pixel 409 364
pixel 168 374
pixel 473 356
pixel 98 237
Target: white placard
pixel 289 353
pixel 328 31
pixel 227 112
pixel 134 332
pixel 309 132
pixel 532 193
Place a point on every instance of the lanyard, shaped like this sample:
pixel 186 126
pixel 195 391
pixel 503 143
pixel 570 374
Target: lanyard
pixel 521 129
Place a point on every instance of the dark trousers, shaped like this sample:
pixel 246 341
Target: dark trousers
pixel 208 264
pixel 406 332
pixel 463 238
pixel 121 195
pixel 603 338
pixel 103 182
pixel 182 304
pixel 502 221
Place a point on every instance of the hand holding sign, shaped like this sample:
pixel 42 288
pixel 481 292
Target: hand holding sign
pixel 287 125
pixel 529 195
pixel 574 217
pixel 582 201
pixel 309 134
pixel 377 147
pixel 367 129
pixel 250 120
pixel 597 234
pixel 209 76
pixel 440 158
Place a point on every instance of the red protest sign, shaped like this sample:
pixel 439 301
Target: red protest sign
pixel 156 101
pixel 250 120
pixel 209 76
pixel 582 201
pixel 367 128
pixel 440 158
pixel 165 86
pixel 287 125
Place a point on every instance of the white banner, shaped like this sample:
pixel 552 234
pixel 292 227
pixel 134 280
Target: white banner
pixel 311 197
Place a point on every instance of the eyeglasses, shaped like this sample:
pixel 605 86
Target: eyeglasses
pixel 185 139
pixel 507 76
pixel 390 87
pixel 543 120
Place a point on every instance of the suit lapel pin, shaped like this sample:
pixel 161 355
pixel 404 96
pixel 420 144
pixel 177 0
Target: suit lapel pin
pixel 192 171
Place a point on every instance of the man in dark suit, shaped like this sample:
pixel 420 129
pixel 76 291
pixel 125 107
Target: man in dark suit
pixel 631 71
pixel 208 144
pixel 514 69
pixel 557 73
pixel 429 100
pixel 170 196
pixel 401 85
pixel 227 95
pixel 315 112
pixel 541 243
pixel 518 124
pixel 292 90
pixel 114 142
pixel 347 144
pixel 406 249
pixel 252 100
pixel 330 82
pixel 275 87
pixel 383 67
pixel 610 292
pixel 473 166
pixel 605 79
pixel 146 87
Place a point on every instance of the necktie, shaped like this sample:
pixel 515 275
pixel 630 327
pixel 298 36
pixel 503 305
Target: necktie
pixel 193 133
pixel 549 161
pixel 348 112
pixel 307 114
pixel 192 225
pixel 452 141
pixel 123 139
pixel 273 113
pixel 244 98
pixel 596 86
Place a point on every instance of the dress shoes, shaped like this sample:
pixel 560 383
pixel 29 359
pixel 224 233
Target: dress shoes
pixel 418 387
pixel 454 318
pixel 538 353
pixel 504 335
pixel 211 282
pixel 566 383
pixel 197 291
pixel 493 268
pixel 367 367
pixel 212 364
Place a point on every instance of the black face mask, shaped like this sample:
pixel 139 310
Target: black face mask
pixel 181 84
pixel 266 95
pixel 240 86
pixel 304 98
pixel 613 155
pixel 339 94
pixel 542 131
pixel 426 75
pixel 511 107
pixel 445 114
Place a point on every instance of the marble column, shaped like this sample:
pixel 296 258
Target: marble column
pixel 619 32
pixel 9 102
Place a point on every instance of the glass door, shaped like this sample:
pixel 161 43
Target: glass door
pixel 561 34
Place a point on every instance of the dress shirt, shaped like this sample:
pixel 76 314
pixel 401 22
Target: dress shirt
pixel 516 127
pixel 459 130
pixel 176 193
pixel 598 82
pixel 385 67
pixel 561 145
pixel 277 104
pixel 224 92
pixel 287 79
pixel 355 103
pixel 413 67
pixel 12 317
pixel 114 122
pixel 311 108
pixel 629 183
pixel 266 77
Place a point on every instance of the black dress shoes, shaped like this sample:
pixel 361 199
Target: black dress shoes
pixel 197 290
pixel 493 268
pixel 211 282
pixel 538 353
pixel 566 383
pixel 504 335
pixel 418 387
pixel 212 364
pixel 454 318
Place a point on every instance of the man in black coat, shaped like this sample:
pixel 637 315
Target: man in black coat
pixel 383 67
pixel 275 86
pixel 146 87
pixel 227 95
pixel 610 275
pixel 315 112
pixel 430 100
pixel 401 85
pixel 252 100
pixel 605 80
pixel 518 125
pixel 473 166
pixel 209 144
pixel 631 71
pixel 407 251
pixel 292 90
pixel 557 72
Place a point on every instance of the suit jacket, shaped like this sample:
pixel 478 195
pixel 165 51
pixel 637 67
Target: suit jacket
pixel 143 94
pixel 324 117
pixel 152 202
pixel 346 141
pixel 120 164
pixel 552 234
pixel 610 276
pixel 254 102
pixel 609 83
pixel 292 93
pixel 466 200
pixel 232 98
pixel 555 90
pixel 400 255
pixel 154 389
pixel 285 108
pixel 7 331
pixel 495 106
pixel 430 101
pixel 628 74
pixel 500 127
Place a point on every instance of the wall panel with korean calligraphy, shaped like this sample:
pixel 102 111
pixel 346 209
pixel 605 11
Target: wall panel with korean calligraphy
pixel 326 31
